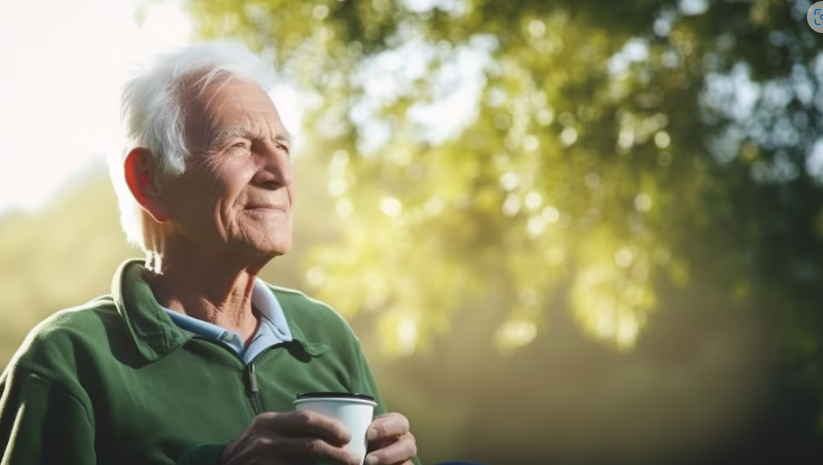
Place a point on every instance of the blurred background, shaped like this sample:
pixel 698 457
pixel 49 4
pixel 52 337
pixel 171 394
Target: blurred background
pixel 568 232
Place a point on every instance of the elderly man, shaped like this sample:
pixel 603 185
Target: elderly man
pixel 192 358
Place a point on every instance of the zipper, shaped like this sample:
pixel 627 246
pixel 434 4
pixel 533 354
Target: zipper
pixel 253 388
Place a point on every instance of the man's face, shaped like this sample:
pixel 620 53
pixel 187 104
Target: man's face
pixel 237 191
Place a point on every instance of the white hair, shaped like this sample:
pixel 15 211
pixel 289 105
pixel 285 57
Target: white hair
pixel 152 117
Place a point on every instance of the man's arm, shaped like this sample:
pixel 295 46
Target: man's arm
pixel 42 422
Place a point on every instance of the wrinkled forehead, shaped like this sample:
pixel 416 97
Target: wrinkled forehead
pixel 223 101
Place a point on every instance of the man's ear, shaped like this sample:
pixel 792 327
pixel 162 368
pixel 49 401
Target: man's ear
pixel 142 177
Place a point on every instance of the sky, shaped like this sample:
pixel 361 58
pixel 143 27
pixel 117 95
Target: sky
pixel 63 64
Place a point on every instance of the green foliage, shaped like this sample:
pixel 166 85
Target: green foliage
pixel 610 150
pixel 624 167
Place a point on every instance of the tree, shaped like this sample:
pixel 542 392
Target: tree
pixel 615 160
pixel 602 154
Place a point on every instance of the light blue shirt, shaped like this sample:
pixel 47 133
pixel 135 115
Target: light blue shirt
pixel 273 328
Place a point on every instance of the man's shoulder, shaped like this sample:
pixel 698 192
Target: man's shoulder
pixel 309 312
pixel 69 333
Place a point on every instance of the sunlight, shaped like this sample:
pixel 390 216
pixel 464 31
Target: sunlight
pixel 61 98
pixel 514 334
pixel 61 93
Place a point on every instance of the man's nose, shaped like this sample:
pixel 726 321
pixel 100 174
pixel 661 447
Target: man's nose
pixel 276 167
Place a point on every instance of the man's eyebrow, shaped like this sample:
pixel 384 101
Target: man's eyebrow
pixel 225 134
pixel 284 136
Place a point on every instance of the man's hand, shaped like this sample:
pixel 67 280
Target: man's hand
pixel 289 438
pixel 390 442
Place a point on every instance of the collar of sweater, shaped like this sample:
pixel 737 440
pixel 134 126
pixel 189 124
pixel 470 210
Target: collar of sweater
pixel 154 334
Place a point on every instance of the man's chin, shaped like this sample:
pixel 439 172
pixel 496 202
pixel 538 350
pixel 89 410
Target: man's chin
pixel 271 249
pixel 256 257
pixel 261 247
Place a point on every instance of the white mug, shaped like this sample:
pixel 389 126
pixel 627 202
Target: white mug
pixel 355 411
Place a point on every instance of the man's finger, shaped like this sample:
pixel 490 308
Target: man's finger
pixel 382 442
pixel 400 452
pixel 305 423
pixel 387 425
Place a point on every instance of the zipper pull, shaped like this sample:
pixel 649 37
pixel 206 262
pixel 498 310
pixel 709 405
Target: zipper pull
pixel 252 379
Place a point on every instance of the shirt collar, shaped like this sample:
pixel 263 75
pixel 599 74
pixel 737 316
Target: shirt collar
pixel 153 331
pixel 269 307
pixel 272 330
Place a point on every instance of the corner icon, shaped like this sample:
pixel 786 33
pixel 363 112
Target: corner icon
pixel 815 17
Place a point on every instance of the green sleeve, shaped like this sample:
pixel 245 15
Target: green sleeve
pixel 42 422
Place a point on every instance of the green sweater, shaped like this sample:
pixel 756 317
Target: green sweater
pixel 115 381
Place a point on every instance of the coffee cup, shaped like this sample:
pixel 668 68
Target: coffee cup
pixel 355 411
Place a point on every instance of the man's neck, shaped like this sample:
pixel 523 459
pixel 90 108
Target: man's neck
pixel 205 287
